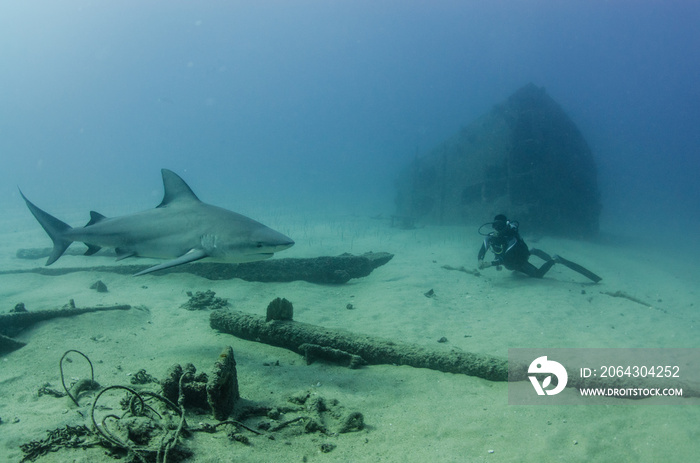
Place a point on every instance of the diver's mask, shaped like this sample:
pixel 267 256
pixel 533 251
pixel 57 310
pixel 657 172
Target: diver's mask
pixel 500 227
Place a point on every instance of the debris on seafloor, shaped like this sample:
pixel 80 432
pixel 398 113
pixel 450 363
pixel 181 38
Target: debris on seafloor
pixel 19 319
pixel 462 268
pixel 204 300
pixel 216 392
pixel 192 388
pixel 139 424
pixel 629 297
pixel 81 385
pixel 351 349
pixel 314 351
pixel 324 270
pixel 343 346
pixel 18 308
pixel 222 387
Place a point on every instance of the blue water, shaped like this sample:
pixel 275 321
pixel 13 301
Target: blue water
pixel 294 102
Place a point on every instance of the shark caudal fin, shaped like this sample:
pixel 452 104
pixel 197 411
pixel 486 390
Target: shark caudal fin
pixel 54 228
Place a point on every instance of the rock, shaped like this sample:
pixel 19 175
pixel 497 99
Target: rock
pixel 99 286
pixel 525 158
pixel 354 421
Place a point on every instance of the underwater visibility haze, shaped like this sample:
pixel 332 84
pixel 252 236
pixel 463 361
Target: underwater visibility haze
pixel 326 101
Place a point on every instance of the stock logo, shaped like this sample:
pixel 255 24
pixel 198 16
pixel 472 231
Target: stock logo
pixel 542 366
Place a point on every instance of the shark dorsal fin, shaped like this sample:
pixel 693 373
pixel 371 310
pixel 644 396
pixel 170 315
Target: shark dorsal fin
pixel 176 190
pixel 95 217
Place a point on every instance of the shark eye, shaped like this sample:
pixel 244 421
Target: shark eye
pixel 259 245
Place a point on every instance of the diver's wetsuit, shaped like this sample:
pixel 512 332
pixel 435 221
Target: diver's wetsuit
pixel 512 252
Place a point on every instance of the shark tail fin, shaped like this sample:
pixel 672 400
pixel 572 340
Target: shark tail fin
pixel 55 228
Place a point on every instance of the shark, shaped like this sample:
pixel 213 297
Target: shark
pixel 181 228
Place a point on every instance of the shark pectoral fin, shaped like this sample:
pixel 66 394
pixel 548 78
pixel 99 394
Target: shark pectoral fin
pixel 191 256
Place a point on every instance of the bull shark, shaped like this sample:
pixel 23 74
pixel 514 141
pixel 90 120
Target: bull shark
pixel 182 228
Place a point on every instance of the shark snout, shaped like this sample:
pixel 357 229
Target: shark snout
pixel 284 242
pixel 286 245
pixel 271 241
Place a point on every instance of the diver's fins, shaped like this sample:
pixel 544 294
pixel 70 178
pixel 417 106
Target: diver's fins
pixel 577 268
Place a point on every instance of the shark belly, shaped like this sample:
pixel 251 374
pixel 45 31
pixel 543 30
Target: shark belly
pixel 143 234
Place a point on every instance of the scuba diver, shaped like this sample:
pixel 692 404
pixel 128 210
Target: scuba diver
pixel 512 253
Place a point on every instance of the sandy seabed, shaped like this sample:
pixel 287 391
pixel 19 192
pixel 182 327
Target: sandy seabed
pixel 410 414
